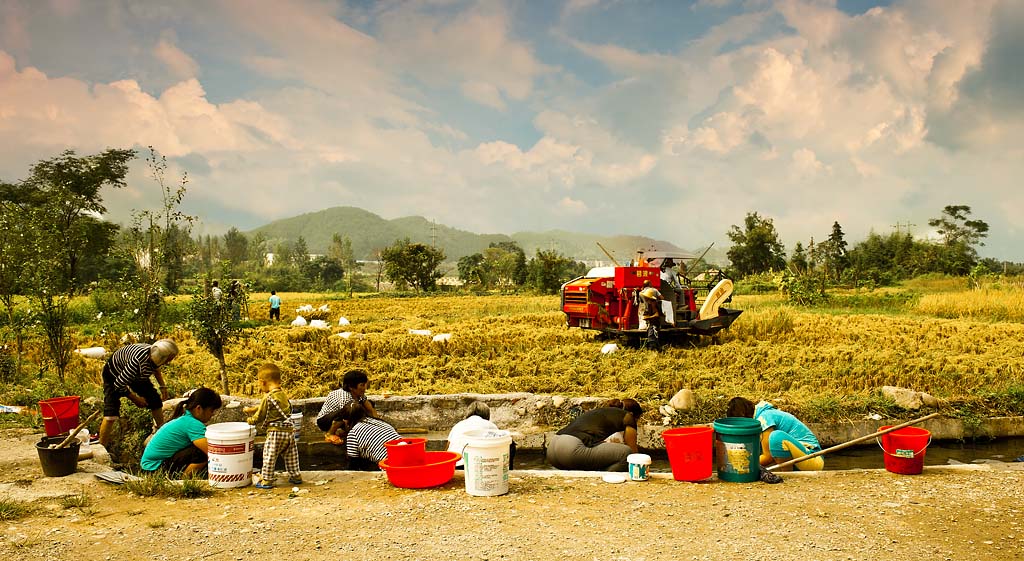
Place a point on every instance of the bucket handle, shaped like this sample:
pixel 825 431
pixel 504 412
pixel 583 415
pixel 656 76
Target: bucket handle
pixel 878 440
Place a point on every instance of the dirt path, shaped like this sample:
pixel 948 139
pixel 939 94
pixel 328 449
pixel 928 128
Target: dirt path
pixel 858 515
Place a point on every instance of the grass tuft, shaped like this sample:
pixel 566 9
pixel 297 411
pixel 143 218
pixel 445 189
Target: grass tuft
pixel 11 509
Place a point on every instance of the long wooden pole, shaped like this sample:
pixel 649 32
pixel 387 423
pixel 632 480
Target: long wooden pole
pixel 74 433
pixel 851 443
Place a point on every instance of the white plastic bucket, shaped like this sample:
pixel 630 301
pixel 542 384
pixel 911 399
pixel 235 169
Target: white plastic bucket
pixel 296 419
pixel 230 448
pixel 486 458
pixel 639 464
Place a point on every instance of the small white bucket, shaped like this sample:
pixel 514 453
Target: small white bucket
pixel 486 458
pixel 639 464
pixel 230 449
pixel 296 419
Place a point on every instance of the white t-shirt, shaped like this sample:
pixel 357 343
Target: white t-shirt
pixel 457 437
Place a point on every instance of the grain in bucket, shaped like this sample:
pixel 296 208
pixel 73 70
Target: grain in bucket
pixel 486 457
pixel 230 448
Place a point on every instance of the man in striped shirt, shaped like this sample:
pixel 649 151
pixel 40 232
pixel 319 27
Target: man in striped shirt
pixel 331 418
pixel 127 374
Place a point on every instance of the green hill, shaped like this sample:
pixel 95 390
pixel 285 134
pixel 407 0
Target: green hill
pixel 370 232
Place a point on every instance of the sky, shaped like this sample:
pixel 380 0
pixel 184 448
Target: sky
pixel 667 119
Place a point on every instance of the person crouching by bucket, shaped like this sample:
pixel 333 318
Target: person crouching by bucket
pixel 179 447
pixel 127 373
pixel 331 418
pixel 783 436
pixel 581 445
pixel 478 417
pixel 274 416
pixel 364 443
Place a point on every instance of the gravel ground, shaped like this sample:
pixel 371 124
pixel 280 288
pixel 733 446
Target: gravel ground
pixel 961 513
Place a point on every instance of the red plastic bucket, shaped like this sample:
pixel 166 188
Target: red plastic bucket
pixel 904 449
pixel 690 450
pixel 403 452
pixel 60 414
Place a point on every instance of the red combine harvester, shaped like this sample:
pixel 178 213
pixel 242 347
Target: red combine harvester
pixel 607 299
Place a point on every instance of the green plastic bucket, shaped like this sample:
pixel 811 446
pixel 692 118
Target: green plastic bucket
pixel 738 449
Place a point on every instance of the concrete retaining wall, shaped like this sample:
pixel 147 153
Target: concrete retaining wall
pixel 534 418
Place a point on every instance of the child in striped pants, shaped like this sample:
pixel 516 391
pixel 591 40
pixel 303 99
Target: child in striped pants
pixel 271 416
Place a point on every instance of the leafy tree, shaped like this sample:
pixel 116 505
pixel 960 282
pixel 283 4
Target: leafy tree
pixel 835 251
pixel 548 270
pixel 341 251
pixel 258 249
pixel 756 248
pixel 67 191
pixel 211 324
pixel 959 236
pixel 299 252
pixel 472 270
pixel 413 264
pixel 323 271
pixel 798 261
pixel 15 235
pixel 149 242
pixel 510 265
pixel 236 247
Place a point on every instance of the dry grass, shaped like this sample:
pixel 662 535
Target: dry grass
pixel 994 304
pixel 814 362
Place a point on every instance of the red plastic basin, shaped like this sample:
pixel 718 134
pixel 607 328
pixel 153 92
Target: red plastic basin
pixel 438 469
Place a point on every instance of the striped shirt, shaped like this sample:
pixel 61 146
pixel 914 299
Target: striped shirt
pixel 335 402
pixel 367 438
pixel 130 363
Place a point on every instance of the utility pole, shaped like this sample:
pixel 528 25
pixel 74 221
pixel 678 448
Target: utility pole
pixel 433 234
pixel 898 224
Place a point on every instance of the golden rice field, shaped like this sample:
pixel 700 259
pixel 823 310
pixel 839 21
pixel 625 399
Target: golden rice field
pixel 963 346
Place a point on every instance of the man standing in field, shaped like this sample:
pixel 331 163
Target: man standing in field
pixel 127 374
pixel 275 306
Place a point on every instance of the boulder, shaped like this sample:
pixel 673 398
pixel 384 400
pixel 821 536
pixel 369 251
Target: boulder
pixel 907 399
pixel 684 400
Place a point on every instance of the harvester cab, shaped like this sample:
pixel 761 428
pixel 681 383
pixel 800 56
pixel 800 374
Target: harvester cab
pixel 608 299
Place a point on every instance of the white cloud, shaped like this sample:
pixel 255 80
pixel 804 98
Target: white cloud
pixel 178 62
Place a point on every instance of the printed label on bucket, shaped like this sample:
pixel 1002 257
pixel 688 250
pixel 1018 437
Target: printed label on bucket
pixel 904 453
pixel 737 457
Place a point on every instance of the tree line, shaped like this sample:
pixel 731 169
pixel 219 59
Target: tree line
pixel 879 259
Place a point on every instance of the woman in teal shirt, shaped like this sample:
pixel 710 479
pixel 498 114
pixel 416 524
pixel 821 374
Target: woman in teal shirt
pixel 783 436
pixel 179 447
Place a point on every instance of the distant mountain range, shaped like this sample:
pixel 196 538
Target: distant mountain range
pixel 370 232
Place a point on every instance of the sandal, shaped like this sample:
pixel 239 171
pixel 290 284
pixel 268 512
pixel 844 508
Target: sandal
pixel 769 477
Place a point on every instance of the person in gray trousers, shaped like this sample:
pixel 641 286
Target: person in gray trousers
pixel 581 445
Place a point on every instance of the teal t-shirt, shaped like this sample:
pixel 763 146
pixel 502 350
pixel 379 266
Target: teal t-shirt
pixel 772 418
pixel 275 301
pixel 174 436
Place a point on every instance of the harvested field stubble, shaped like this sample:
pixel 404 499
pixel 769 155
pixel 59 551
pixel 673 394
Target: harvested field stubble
pixel 814 363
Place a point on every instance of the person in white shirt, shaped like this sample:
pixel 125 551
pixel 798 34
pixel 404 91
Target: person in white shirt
pixel 478 417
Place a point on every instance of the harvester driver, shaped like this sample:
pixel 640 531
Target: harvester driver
pixel 670 286
pixel 651 312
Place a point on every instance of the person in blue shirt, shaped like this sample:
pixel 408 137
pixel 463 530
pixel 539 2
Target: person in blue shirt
pixel 783 436
pixel 275 306
pixel 179 447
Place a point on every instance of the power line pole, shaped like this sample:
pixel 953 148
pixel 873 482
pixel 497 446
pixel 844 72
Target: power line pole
pixel 899 224
pixel 433 234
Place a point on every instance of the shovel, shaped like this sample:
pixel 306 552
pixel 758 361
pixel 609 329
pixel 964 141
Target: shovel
pixel 851 443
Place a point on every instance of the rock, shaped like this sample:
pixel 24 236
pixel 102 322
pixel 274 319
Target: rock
pixel 907 399
pixel 557 401
pixel 684 400
pixel 929 400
